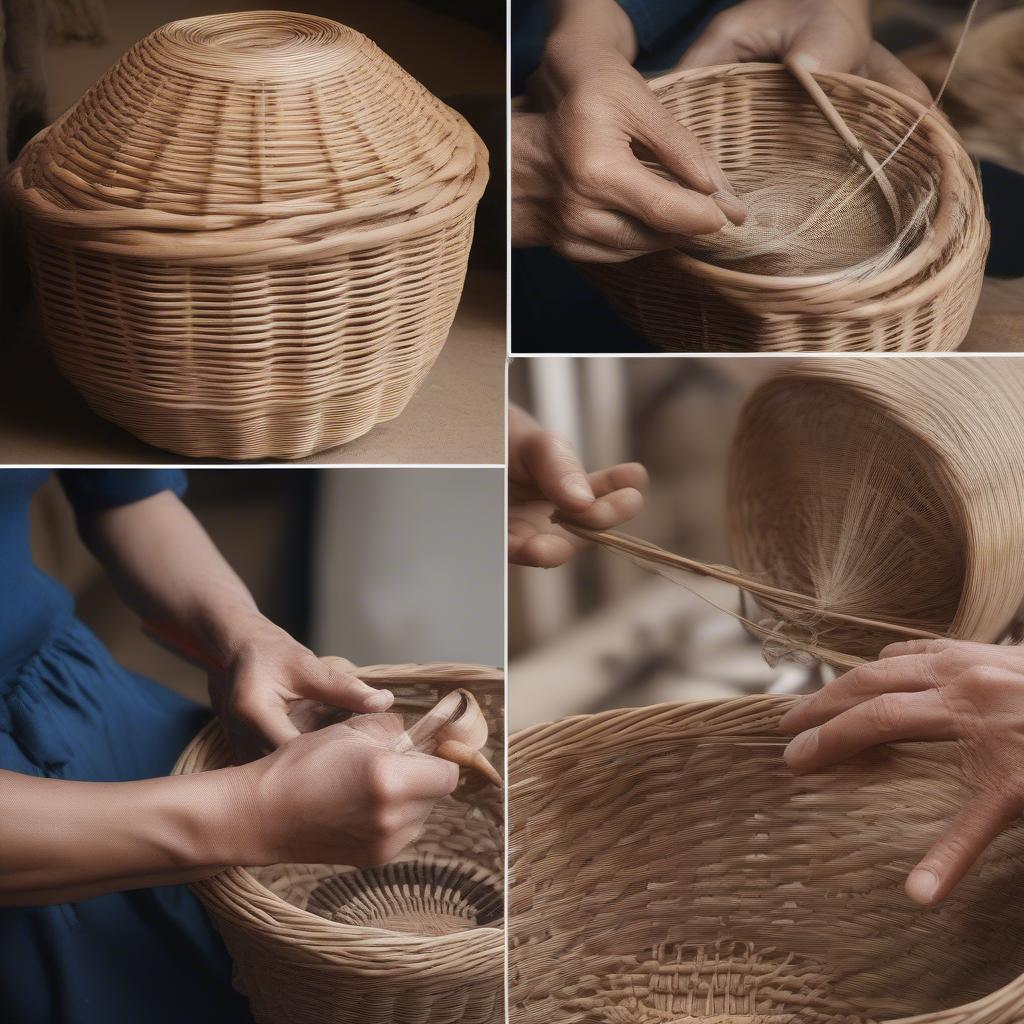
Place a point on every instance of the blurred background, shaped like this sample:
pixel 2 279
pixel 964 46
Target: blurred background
pixel 600 632
pixel 378 566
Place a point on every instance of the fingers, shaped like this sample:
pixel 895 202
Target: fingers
pixel 829 44
pixel 333 683
pixel 415 776
pixel 946 863
pixel 908 674
pixel 662 205
pixel 611 510
pixel 538 550
pixel 552 465
pixel 716 45
pixel 885 67
pixel 626 474
pixel 890 718
pixel 614 231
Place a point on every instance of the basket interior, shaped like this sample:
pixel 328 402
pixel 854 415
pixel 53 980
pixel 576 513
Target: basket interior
pixel 701 881
pixel 828 496
pixel 812 206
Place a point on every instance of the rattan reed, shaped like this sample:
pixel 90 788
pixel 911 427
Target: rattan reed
pixel 250 237
pixel 419 941
pixel 666 865
pixel 871 501
pixel 826 289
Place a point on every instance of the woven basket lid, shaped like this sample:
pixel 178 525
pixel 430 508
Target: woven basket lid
pixel 246 128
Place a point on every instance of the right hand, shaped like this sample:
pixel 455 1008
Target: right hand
pixel 602 204
pixel 337 796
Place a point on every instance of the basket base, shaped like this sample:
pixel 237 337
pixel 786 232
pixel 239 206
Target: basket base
pixel 413 897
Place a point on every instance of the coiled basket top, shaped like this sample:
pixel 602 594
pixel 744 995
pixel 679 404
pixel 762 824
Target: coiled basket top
pixel 666 865
pixel 420 939
pixel 249 138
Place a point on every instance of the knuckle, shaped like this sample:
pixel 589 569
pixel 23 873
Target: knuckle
pixel 980 677
pixel 381 784
pixel 887 714
pixel 591 175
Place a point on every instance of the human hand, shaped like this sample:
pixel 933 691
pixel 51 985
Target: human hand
pixel 262 673
pixel 969 693
pixel 582 189
pixel 820 35
pixel 339 795
pixel 544 476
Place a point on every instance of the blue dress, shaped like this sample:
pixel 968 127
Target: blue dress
pixel 69 711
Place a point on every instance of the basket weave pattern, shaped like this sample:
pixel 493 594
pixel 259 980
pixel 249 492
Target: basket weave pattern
pixel 763 128
pixel 393 952
pixel 666 865
pixel 250 236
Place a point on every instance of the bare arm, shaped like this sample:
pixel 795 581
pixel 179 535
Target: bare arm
pixel 167 568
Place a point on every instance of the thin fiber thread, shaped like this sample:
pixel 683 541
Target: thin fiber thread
pixel 250 236
pixel 325 944
pixel 869 504
pixel 819 263
pixel 666 865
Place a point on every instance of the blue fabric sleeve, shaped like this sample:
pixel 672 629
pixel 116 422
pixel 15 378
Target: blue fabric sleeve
pixel 93 490
pixel 665 28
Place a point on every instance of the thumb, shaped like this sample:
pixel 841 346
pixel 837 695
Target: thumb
pixel 829 44
pixel 336 685
pixel 946 863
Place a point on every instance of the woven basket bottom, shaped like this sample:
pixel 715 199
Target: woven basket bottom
pixel 415 897
pixel 729 982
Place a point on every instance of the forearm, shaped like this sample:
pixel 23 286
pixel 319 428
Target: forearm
pixel 585 35
pixel 165 566
pixel 62 841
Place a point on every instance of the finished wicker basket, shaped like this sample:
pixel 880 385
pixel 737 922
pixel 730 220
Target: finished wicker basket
pixel 249 238
pixel 666 866
pixel 819 285
pixel 419 941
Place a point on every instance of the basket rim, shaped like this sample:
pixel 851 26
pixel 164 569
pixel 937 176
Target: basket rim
pixel 484 941
pixel 907 265
pixel 737 719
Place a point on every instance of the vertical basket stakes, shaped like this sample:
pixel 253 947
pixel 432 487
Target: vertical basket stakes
pixel 419 941
pixel 249 238
pixel 665 865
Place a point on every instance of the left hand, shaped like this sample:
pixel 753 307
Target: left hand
pixel 969 693
pixel 821 35
pixel 264 672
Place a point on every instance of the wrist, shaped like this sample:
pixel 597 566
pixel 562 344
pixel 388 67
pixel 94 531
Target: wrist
pixel 595 25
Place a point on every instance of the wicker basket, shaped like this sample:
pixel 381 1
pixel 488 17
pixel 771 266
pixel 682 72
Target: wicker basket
pixel 763 127
pixel 249 238
pixel 665 865
pixel 416 942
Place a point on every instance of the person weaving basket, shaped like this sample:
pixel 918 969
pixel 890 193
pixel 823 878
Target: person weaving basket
pixel 94 840
pixel 579 190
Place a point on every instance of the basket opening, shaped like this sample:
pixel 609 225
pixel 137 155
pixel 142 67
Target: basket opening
pixel 813 208
pixel 830 497
pixel 699 880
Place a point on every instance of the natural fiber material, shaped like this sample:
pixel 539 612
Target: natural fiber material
pixel 250 236
pixel 418 941
pixel 666 865
pixel 821 263
pixel 870 501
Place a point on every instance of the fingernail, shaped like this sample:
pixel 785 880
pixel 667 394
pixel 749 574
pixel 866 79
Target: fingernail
pixel 577 486
pixel 802 748
pixel 922 885
pixel 380 700
pixel 807 60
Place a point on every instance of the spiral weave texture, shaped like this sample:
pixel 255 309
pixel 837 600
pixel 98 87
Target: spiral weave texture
pixel 666 865
pixel 250 236
pixel 824 261
pixel 420 941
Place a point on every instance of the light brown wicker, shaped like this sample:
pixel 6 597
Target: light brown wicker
pixel 666 866
pixel 420 941
pixel 820 264
pixel 872 500
pixel 249 238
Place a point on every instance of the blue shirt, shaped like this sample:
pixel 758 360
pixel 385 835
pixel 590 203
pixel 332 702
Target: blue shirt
pixel 30 601
pixel 664 29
